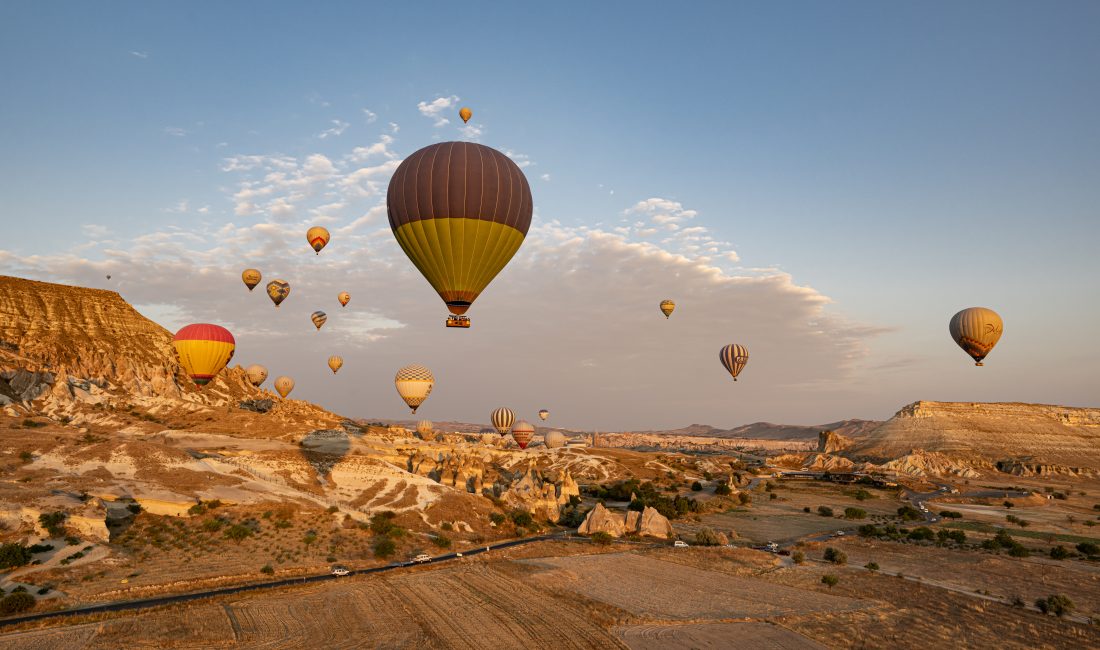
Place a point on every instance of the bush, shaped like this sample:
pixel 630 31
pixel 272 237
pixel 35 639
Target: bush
pixel 40 548
pixel 16 602
pixel 1019 550
pixel 267 569
pixel 31 424
pixel 197 509
pixel 722 489
pixel 922 533
pixel 835 556
pixel 26 456
pixel 824 511
pixel 806 509
pixel 1057 604
pixel 707 537
pixel 333 510
pixel 446 526
pixel 522 518
pixel 909 513
pixel 830 580
pixel 14 555
pixel 1088 548
pixel 696 486
pixel 744 498
pixel 773 496
pixel 950 514
pixel 381 523
pixel 237 532
pixel 862 495
pixel 384 548
pixel 53 522
pixel 441 541
pixel 134 508
pixel 1059 553
pixel 1009 505
pixel 309 538
pixel 871 566
pixel 212 525
pixel 957 536
pixel 601 538
pixel 855 513
pixel 798 557
pixel 572 517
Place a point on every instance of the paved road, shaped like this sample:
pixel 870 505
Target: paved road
pixel 145 603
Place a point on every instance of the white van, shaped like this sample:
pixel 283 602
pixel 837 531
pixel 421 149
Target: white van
pixel 423 557
pixel 679 544
pixel 340 570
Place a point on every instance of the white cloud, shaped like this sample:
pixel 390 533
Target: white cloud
pixel 179 207
pixel 94 231
pixel 434 109
pixel 521 159
pixel 472 131
pixel 337 129
pixel 370 115
pixel 175 131
pixel 394 128
pixel 545 177
pixel 140 55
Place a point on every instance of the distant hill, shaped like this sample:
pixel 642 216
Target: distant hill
pixel 768 431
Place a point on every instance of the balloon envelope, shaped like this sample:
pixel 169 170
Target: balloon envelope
pixel 284 385
pixel 460 211
pixel 203 350
pixel 251 278
pixel 734 357
pixel 278 290
pixel 666 307
pixel 522 431
pixel 317 237
pixel 335 363
pixel 318 318
pixel 256 374
pixel 976 330
pixel 502 420
pixel 344 298
pixel 414 384
pixel 554 439
pixel 424 428
pixel 465 113
pixel 543 414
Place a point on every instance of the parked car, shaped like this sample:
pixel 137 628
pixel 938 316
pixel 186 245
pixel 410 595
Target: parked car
pixel 340 570
pixel 423 557
pixel 680 544
pixel 840 533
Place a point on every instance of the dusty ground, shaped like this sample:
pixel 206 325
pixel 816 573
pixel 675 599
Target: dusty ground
pixel 763 636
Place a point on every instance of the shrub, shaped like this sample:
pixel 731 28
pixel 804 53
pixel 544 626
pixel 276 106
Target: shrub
pixel 744 498
pixel 909 513
pixel 601 538
pixel 53 522
pixel 1009 505
pixel 1056 604
pixel 197 509
pixel 16 602
pixel 446 526
pixel 309 538
pixel 1061 496
pixel 31 424
pixel 830 580
pixel 1019 550
pixel 134 508
pixel 707 537
pixel 957 536
pixel 1059 553
pixel 441 541
pixel 922 533
pixel 862 495
pixel 696 486
pixel 572 517
pixel 799 557
pixel 333 510
pixel 806 509
pixel 214 504
pixel 384 548
pixel 855 513
pixel 835 556
pixel 40 548
pixel 267 569
pixel 381 523
pixel 1088 548
pixel 14 555
pixel 723 489
pixel 283 523
pixel 773 496
pixel 212 525
pixel 522 518
pixel 871 566
pixel 26 456
pixel 950 514
pixel 824 511
pixel 237 532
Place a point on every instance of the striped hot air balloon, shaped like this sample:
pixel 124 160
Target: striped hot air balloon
pixel 318 238
pixel 522 431
pixel 256 374
pixel 460 211
pixel 543 414
pixel 335 363
pixel 278 290
pixel 502 420
pixel 344 298
pixel 284 385
pixel 203 350
pixel 666 307
pixel 414 384
pixel 734 357
pixel 318 318
pixel 554 439
pixel 976 330
pixel 251 278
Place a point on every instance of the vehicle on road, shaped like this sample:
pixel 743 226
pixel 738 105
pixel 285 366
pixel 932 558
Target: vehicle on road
pixel 422 558
pixel 772 547
pixel 840 533
pixel 340 570
pixel 458 555
pixel 680 544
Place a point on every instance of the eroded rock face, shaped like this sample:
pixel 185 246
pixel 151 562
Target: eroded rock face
pixel 539 495
pixel 602 520
pixel 648 522
pixel 830 442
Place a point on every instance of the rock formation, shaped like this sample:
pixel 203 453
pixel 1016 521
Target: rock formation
pixel 648 523
pixel 830 442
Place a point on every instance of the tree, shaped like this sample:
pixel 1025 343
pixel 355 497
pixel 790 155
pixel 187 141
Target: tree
pixel 744 498
pixel 830 580
pixel 871 566
pixel 696 486
pixel 1059 553
pixel 53 522
pixel 836 556
pixel 909 513
pixel 14 555
pixel 1056 604
pixel 707 537
pixel 267 570
pixel 384 548
pixel 722 489
pixel 1088 548
pixel 855 513
pixel 798 557
pixel 16 602
pixel 601 538
pixel 825 511
pixel 237 532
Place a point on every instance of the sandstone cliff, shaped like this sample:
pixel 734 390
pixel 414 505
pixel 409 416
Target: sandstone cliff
pixel 648 523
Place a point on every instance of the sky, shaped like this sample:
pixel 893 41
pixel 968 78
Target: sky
pixel 824 183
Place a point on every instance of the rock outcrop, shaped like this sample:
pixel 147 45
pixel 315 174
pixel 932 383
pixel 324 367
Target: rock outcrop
pixel 830 442
pixel 648 522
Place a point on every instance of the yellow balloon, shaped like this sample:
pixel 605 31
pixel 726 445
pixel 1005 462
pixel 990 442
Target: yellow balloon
pixel 666 307
pixel 465 114
pixel 414 384
pixel 976 330
pixel 284 385
pixel 251 278
pixel 256 374
pixel 317 237
pixel 335 363
pixel 344 298
pixel 203 350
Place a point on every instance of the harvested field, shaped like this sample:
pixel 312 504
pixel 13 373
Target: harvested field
pixel 760 636
pixel 661 590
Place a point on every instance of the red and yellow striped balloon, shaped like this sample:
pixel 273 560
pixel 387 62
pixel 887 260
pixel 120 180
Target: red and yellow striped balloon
pixel 203 350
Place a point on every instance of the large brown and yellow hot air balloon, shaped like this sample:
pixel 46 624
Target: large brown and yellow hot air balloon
pixel 256 374
pixel 666 307
pixel 317 237
pixel 734 357
pixel 460 211
pixel 465 113
pixel 522 431
pixel 284 385
pixel 278 290
pixel 976 330
pixel 335 363
pixel 319 318
pixel 414 384
pixel 344 298
pixel 251 278
pixel 203 350
pixel 502 420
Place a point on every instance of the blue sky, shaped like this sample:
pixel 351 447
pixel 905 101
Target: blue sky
pixel 902 160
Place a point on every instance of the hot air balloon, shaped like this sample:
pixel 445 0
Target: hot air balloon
pixel 666 307
pixel 543 414
pixel 203 350
pixel 414 384
pixel 256 374
pixel 734 357
pixel 344 298
pixel 976 330
pixel 522 431
pixel 317 237
pixel 318 318
pixel 465 113
pixel 424 428
pixel 460 211
pixel 108 277
pixel 251 278
pixel 502 420
pixel 278 290
pixel 284 385
pixel 335 363
pixel 554 439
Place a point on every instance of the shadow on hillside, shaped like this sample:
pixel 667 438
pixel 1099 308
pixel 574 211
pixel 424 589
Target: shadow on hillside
pixel 323 448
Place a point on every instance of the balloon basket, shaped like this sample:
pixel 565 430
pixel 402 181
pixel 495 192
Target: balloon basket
pixel 458 321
